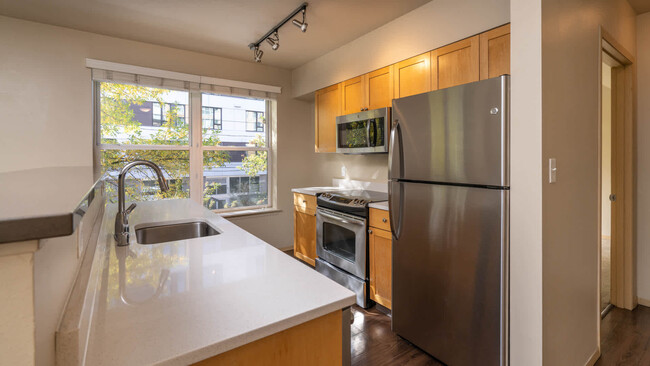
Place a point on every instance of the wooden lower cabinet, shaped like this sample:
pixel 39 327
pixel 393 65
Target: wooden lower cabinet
pixel 381 271
pixel 304 236
pixel 318 342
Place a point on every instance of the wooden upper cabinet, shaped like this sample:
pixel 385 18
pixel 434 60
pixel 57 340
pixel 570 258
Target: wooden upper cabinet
pixel 379 88
pixel 455 64
pixel 353 96
pixel 328 107
pixel 370 91
pixel 412 76
pixel 495 52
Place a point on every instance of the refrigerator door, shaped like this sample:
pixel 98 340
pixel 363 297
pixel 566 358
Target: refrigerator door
pixel 450 271
pixel 455 135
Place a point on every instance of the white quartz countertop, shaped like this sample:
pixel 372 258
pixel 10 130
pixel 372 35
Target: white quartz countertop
pixel 379 205
pixel 312 191
pixel 180 302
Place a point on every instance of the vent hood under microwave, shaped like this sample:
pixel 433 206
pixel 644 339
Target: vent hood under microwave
pixel 364 132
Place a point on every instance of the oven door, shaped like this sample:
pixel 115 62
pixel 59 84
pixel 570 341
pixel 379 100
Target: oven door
pixel 341 241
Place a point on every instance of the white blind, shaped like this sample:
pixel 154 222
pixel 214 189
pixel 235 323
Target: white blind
pixel 129 74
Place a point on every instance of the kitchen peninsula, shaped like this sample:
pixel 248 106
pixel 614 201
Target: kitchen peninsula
pixel 215 300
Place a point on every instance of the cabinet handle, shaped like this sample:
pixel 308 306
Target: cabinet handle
pixel 362 109
pixel 304 201
pixel 369 231
pixel 384 220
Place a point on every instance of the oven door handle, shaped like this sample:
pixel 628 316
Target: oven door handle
pixel 340 219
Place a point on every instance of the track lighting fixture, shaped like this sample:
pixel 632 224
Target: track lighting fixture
pixel 302 25
pixel 274 41
pixel 272 37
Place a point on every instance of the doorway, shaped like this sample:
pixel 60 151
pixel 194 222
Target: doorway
pixel 616 236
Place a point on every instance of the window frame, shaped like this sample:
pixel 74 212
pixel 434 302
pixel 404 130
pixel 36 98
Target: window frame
pixel 194 121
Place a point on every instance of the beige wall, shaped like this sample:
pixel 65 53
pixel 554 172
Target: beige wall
pixel 45 99
pixel 430 26
pixel 643 158
pixel 570 133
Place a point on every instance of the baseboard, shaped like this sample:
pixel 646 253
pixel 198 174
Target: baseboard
pixel 644 302
pixel 592 360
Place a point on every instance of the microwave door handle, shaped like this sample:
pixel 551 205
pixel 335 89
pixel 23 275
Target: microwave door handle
pixel 368 133
pixel 341 219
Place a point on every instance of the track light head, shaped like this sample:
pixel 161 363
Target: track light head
pixel 299 24
pixel 302 25
pixel 258 54
pixel 274 41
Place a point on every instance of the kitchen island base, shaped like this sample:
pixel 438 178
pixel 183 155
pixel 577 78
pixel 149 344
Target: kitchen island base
pixel 323 341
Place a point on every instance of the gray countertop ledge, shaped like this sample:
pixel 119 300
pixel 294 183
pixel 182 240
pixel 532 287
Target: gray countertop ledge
pixel 45 202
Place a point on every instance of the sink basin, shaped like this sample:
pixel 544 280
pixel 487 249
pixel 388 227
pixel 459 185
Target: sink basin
pixel 162 232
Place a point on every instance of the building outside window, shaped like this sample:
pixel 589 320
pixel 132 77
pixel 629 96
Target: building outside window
pixel 255 121
pixel 141 122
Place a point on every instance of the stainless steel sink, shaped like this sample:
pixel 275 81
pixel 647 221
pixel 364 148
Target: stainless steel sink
pixel 162 232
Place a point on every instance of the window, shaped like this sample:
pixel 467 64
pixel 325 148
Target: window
pixel 255 121
pixel 234 158
pixel 211 117
pixel 141 122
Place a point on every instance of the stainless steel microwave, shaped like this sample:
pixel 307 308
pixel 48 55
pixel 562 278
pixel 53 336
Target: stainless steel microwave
pixel 364 132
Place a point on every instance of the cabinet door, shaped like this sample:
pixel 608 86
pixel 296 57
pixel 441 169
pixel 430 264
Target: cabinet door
pixel 412 76
pixel 379 86
pixel 304 236
pixel 381 270
pixel 328 107
pixel 495 52
pixel 352 95
pixel 455 64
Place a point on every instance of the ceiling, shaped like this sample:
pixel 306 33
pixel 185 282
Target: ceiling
pixel 640 6
pixel 219 27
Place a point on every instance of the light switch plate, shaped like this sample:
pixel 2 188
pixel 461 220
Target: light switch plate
pixel 552 170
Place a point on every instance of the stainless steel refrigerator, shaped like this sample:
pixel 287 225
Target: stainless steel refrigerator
pixel 449 202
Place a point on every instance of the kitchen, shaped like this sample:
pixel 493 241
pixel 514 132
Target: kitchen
pixel 45 58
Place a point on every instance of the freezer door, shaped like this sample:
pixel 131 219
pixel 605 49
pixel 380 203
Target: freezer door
pixel 450 271
pixel 455 135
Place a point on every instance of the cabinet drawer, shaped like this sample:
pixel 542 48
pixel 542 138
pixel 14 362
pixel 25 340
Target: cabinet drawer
pixel 379 219
pixel 304 203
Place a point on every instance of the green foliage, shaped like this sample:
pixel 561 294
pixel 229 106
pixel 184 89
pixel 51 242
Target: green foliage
pixel 255 161
pixel 117 118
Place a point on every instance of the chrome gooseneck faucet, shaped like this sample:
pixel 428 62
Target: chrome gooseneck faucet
pixel 122 217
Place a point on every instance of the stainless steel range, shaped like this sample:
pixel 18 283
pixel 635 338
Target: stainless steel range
pixel 342 238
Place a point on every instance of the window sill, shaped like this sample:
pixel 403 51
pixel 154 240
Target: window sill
pixel 251 212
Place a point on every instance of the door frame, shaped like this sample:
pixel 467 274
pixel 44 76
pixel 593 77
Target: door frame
pixel 623 242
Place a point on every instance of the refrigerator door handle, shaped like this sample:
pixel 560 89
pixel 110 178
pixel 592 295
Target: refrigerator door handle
pixel 396 159
pixel 395 225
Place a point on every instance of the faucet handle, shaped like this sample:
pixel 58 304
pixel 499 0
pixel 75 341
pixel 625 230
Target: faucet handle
pixel 128 210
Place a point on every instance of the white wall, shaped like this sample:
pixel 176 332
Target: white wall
pixel 46 105
pixel 526 183
pixel 643 157
pixel 570 133
pixel 428 27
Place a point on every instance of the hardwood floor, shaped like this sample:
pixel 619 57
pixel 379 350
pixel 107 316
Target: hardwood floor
pixel 625 337
pixel 373 343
